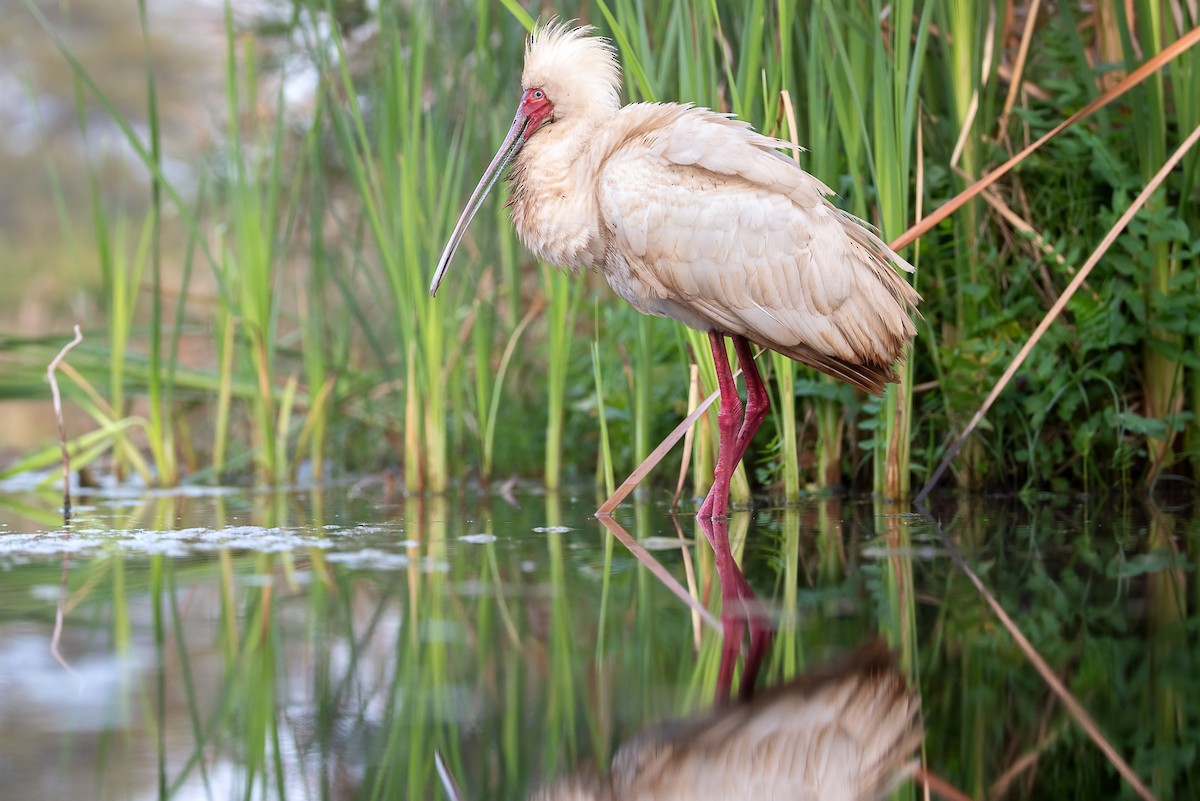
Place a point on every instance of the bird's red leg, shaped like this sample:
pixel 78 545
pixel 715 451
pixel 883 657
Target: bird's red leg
pixel 758 402
pixel 737 606
pixel 732 446
pixel 729 417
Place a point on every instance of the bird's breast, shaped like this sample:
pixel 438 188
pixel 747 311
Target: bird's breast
pixel 554 211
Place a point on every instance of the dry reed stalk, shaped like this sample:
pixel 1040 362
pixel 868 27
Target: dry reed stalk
pixel 62 428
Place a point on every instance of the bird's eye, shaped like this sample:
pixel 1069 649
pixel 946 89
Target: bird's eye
pixel 538 94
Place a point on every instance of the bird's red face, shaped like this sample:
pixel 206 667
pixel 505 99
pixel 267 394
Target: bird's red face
pixel 536 107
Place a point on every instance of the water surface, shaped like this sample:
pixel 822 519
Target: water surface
pixel 323 644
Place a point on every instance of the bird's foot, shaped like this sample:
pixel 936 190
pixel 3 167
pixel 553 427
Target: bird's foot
pixel 716 503
pixel 707 512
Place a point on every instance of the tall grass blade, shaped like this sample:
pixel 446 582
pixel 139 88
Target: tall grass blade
pixel 158 387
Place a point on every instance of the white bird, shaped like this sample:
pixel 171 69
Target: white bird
pixel 845 731
pixel 693 215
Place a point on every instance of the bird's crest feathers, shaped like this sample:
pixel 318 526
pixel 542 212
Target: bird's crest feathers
pixel 578 70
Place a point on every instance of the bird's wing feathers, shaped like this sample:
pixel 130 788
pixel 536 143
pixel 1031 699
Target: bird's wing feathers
pixel 724 145
pixel 713 226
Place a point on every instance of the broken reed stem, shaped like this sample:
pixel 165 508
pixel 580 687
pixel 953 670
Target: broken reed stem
pixel 656 456
pixel 62 428
pixel 939 786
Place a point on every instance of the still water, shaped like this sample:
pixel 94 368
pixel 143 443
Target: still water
pixel 325 644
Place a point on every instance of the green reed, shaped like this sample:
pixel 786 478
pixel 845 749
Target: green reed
pixel 833 134
pixel 1166 110
pixel 860 92
pixel 783 368
pixel 322 347
pixel 1163 369
pixel 159 389
pixel 970 36
pixel 402 171
pixel 894 107
pixel 122 273
pixel 1185 108
pixel 604 467
pixel 563 293
pixel 259 216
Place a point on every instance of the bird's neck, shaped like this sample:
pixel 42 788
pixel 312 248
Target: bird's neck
pixel 553 194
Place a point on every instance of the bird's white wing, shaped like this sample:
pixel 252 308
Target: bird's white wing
pixel 707 223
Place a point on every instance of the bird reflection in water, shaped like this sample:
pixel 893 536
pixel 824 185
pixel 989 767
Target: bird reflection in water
pixel 740 612
pixel 846 729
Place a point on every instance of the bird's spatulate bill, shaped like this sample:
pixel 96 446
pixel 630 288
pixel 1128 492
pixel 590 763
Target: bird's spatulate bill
pixel 508 150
